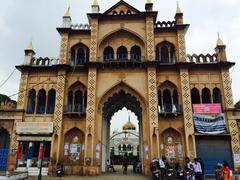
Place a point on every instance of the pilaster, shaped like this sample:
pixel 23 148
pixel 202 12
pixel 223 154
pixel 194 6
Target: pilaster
pixel 58 113
pixel 91 116
pixel 94 41
pixel 187 114
pixel 232 123
pixel 153 112
pixel 181 50
pixel 150 44
pixel 64 49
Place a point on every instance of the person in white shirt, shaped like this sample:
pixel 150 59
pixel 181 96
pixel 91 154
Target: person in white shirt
pixel 197 169
pixel 162 165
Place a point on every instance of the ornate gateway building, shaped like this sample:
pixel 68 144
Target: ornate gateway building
pixel 124 58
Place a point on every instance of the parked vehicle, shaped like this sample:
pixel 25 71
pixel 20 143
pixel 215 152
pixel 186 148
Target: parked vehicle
pixel 154 166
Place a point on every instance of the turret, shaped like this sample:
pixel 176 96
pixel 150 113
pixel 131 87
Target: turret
pixel 221 49
pixel 67 19
pixel 179 15
pixel 149 6
pixel 95 7
pixel 29 54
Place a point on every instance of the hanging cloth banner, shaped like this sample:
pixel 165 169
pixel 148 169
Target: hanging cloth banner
pixel 209 125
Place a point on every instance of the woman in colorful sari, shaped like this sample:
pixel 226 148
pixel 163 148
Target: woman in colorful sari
pixel 226 170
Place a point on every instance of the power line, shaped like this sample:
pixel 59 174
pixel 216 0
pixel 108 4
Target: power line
pixel 35 85
pixel 4 82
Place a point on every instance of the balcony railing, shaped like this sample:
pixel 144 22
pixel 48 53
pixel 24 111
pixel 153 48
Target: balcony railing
pixel 122 58
pixel 77 109
pixel 169 109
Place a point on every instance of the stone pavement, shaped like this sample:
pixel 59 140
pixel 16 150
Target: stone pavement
pixel 108 176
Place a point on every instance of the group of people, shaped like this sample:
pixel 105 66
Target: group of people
pixel 192 170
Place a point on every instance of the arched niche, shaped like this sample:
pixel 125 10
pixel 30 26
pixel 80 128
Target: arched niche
pixel 74 146
pixel 171 144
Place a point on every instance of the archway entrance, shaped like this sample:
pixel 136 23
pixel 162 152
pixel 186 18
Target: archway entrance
pixel 119 100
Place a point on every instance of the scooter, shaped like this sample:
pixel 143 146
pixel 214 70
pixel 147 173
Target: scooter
pixel 180 174
pixel 156 174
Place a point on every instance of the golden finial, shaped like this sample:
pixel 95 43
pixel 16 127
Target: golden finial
pixel 67 13
pixel 179 11
pixel 149 1
pixel 95 3
pixel 29 47
pixel 219 41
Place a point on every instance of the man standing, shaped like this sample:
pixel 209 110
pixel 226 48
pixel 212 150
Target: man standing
pixel 162 165
pixel 197 169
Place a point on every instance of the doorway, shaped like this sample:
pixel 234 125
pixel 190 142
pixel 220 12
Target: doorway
pixel 125 142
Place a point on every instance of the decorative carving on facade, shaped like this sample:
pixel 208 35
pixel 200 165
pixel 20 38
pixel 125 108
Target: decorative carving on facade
pixel 150 39
pixel 93 45
pixel 22 91
pixel 64 49
pixel 181 47
pixel 187 106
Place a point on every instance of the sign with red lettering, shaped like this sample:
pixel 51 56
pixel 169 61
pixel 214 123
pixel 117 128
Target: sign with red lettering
pixel 207 108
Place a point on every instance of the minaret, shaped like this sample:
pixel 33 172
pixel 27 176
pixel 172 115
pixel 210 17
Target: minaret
pixel 67 19
pixel 149 6
pixel 29 53
pixel 179 15
pixel 95 7
pixel 221 49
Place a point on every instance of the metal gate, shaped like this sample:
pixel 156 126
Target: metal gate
pixel 213 150
pixel 3 159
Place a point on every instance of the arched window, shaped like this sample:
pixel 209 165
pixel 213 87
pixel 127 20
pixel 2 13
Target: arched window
pixel 41 103
pixel 129 12
pixel 114 13
pixel 51 101
pixel 31 101
pixel 70 101
pixel 129 147
pixel 108 53
pixel 122 53
pixel 81 59
pixel 78 101
pixel 119 148
pixel 121 12
pixel 85 101
pixel 73 57
pixel 136 53
pixel 164 54
pixel 195 96
pixel 217 95
pixel 79 54
pixel 167 101
pixel 206 96
pixel 124 147
pixel 159 101
pixel 175 100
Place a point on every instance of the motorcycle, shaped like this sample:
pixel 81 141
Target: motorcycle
pixel 155 170
pixel 170 173
pixel 60 171
pixel 180 174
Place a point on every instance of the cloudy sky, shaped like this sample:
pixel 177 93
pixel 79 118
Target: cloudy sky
pixel 22 20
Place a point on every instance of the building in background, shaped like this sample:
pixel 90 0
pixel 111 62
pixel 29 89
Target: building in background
pixel 125 142
pixel 7 112
pixel 124 58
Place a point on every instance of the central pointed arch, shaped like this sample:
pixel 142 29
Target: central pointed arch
pixel 114 99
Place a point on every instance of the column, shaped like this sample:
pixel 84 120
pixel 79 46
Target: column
pixel 153 112
pixel 187 113
pixel 231 121
pixel 91 114
pixel 30 154
pixel 58 113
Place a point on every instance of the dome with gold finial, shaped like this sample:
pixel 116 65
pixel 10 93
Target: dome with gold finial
pixel 129 125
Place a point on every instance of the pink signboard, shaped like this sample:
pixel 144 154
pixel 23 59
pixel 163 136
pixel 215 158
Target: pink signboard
pixel 207 108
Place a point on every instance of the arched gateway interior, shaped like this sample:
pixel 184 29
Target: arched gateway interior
pixel 114 103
